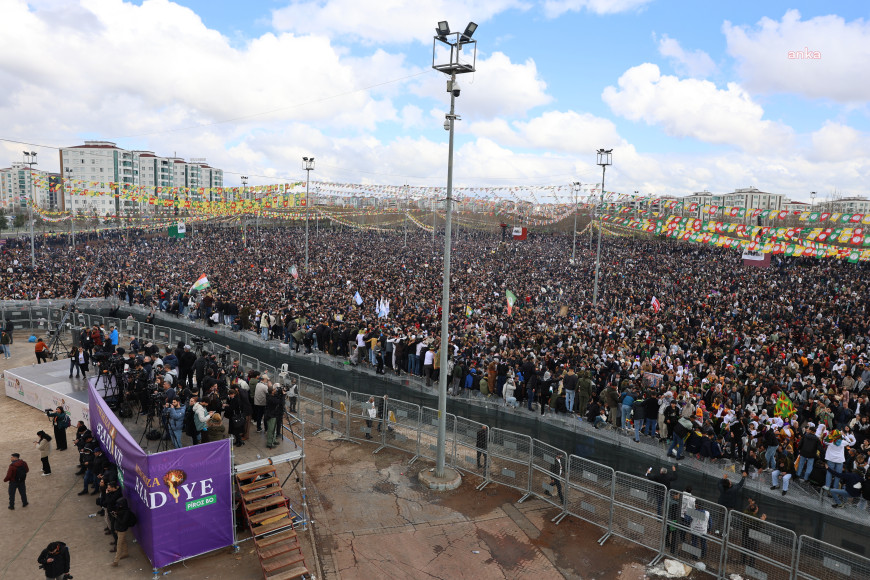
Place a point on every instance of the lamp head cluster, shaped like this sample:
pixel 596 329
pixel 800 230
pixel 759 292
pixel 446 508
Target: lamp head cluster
pixel 605 157
pixel 308 163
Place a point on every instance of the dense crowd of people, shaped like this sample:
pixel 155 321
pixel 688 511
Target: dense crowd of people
pixel 768 367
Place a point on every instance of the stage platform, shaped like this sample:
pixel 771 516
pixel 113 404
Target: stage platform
pixel 47 386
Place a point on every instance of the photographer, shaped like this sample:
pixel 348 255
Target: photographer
pixel 54 559
pixel 173 416
pixel 60 421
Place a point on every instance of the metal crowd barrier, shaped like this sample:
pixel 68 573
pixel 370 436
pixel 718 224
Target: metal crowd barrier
pixel 675 525
pixel 403 421
pixel 638 511
pixel 543 472
pixel 510 458
pixel 465 450
pixel 695 533
pixel 335 404
pixel 759 549
pixel 359 428
pixel 817 560
pixel 427 444
pixel 589 492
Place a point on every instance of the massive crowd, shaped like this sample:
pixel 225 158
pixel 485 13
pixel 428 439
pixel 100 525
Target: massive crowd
pixel 710 372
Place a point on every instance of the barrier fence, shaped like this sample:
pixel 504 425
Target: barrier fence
pixel 671 524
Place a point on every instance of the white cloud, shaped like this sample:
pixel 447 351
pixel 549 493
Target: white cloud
pixel 498 88
pixel 695 63
pixel 837 142
pixel 695 108
pixel 388 21
pixel 554 8
pixel 568 132
pixel 762 55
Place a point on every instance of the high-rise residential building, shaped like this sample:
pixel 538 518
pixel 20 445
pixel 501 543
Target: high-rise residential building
pixel 18 183
pixel 109 172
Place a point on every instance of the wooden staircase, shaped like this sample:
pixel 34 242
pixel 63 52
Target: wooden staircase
pixel 271 523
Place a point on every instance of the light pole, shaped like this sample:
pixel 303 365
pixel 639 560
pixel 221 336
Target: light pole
pixel 406 215
pixel 812 201
pixel 455 43
pixel 576 187
pixel 30 161
pixel 72 212
pixel 308 166
pixel 244 179
pixel 604 159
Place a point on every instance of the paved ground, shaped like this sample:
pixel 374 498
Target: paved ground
pixel 371 519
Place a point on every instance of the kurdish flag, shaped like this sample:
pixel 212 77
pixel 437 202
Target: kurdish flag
pixel 294 272
pixel 784 407
pixel 511 300
pixel 201 284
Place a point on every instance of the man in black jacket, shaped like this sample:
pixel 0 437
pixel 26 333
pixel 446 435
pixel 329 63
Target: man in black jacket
pixel 185 367
pixel 729 495
pixel 557 473
pixel 54 559
pixel 810 446
pixel 123 519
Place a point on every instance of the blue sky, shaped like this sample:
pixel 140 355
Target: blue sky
pixel 690 95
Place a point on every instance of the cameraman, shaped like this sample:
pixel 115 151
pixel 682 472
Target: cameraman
pixel 54 559
pixel 173 416
pixel 185 366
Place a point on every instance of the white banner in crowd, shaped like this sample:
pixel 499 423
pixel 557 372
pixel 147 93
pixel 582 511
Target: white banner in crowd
pixel 42 398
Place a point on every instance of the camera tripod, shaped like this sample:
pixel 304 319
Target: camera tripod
pixel 163 442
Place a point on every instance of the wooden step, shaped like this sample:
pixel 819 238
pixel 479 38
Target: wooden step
pixel 268 515
pixel 252 473
pixel 275 538
pixel 282 561
pixel 261 493
pixel 269 502
pixel 279 548
pixel 271 527
pixel 290 574
pixel 259 484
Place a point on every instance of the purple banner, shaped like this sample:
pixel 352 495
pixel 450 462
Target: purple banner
pixel 190 498
pixel 182 498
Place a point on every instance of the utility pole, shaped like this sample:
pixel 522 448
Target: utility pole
pixel 30 161
pixel 576 189
pixel 604 159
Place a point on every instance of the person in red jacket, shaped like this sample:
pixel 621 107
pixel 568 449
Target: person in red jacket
pixel 16 475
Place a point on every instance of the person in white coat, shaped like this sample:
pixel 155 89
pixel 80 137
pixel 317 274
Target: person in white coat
pixel 835 457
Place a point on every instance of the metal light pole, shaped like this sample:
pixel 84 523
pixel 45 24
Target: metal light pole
pixel 812 201
pixel 455 42
pixel 576 188
pixel 72 213
pixel 308 166
pixel 31 155
pixel 244 179
pixel 406 215
pixel 604 159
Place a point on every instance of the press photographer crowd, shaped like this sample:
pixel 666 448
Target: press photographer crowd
pixel 181 397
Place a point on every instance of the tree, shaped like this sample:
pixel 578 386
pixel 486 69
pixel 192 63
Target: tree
pixel 3 222
pixel 20 221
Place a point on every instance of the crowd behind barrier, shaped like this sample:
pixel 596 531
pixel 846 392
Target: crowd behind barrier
pixel 670 523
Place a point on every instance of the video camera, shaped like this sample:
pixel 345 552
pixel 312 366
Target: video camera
pixel 199 340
